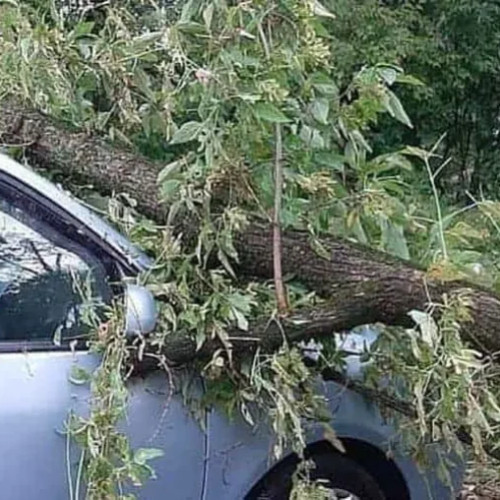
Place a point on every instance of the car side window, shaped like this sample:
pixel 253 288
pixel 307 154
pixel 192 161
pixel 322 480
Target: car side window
pixel 49 284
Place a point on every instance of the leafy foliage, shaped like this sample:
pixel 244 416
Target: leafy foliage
pixel 107 463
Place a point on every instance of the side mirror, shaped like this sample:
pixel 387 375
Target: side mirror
pixel 140 310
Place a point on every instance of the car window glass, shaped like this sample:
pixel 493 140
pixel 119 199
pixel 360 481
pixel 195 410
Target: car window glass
pixel 49 285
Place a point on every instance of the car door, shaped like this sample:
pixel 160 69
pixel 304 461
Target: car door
pixel 42 254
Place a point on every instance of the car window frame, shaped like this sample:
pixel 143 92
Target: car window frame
pixel 61 221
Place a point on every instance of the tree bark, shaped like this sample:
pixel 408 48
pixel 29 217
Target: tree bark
pixel 366 286
pixel 361 285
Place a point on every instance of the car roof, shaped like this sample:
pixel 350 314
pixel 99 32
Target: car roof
pixel 68 203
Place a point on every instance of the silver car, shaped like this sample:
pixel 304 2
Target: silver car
pixel 46 236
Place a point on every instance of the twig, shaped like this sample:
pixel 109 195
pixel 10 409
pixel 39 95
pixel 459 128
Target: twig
pixel 281 298
pixel 279 287
pixel 264 41
pixel 438 207
pixel 68 466
pixel 170 381
pixel 79 475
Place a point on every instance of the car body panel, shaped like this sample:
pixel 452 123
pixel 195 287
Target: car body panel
pixel 158 419
pixel 37 396
pixel 239 456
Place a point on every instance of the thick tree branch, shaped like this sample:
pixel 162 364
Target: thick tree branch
pixel 361 285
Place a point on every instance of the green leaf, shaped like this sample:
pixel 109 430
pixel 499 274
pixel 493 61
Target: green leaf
pixel 83 28
pixel 312 137
pixel 143 455
pixel 224 260
pixel 410 80
pixel 246 414
pixel 417 152
pixel 208 15
pixel 270 113
pixel 427 326
pixel 25 46
pixel 56 338
pixel 319 109
pixel 241 302
pixel 359 231
pixel 191 28
pixel 321 11
pixel 330 435
pixel 395 108
pixel 319 248
pixel 324 84
pixel 79 376
pixel 388 74
pixel 139 474
pixel 87 82
pixel 351 153
pixel 188 10
pixel 393 239
pixel 169 187
pixel 252 98
pixel 317 141
pixel 169 170
pixel 330 160
pixel 117 135
pixel 189 131
pixel 358 137
pixel 238 58
pixel 143 82
pixel 145 39
pixel 389 161
pixel 241 321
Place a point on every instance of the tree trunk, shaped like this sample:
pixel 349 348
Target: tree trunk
pixel 361 285
pixel 50 144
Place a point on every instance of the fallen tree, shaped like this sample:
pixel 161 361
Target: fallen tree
pixel 360 285
pixel 357 285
